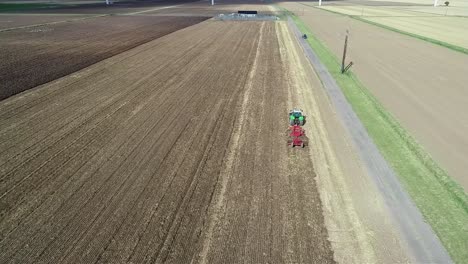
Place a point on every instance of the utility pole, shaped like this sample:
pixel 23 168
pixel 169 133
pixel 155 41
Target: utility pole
pixel 435 2
pixel 343 68
pixel 344 53
pixel 320 2
pixel 107 2
pixel 212 2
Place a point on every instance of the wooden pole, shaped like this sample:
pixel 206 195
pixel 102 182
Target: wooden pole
pixel 344 53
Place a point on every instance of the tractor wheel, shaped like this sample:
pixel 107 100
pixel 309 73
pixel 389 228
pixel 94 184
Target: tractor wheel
pixel 302 145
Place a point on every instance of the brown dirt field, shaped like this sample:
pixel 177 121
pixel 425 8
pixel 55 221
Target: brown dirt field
pixel 190 11
pixel 421 84
pixel 33 56
pixel 29 18
pixel 100 7
pixel 170 152
pixel 8 21
pixel 202 9
pixel 268 200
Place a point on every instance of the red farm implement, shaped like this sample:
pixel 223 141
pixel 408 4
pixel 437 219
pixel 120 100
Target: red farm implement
pixel 297 136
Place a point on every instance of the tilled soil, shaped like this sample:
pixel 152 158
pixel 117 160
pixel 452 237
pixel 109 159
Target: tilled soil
pixel 268 201
pixel 37 55
pixel 172 151
pixel 8 21
pixel 100 7
pixel 202 9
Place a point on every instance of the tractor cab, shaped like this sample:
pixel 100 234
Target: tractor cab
pixel 296 117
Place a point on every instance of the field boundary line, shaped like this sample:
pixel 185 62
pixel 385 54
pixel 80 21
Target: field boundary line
pixel 427 39
pixel 408 218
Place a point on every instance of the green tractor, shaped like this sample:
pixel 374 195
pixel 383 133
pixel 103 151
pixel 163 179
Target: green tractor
pixel 296 117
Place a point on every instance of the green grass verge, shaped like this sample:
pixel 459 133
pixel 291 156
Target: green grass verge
pixel 9 7
pixel 443 202
pixel 431 40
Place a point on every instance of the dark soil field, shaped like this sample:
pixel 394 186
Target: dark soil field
pixel 174 151
pixel 10 21
pixel 36 55
pixel 95 7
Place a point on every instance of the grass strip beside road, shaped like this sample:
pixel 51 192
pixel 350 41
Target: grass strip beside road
pixel 431 40
pixel 442 201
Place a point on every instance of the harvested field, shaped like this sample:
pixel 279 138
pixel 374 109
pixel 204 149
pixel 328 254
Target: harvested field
pixel 439 10
pixel 369 3
pixel 453 3
pixel 33 56
pixel 172 151
pixel 449 29
pixel 420 83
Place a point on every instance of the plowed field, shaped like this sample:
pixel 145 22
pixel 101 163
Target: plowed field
pixel 35 55
pixel 172 151
pixel 8 21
